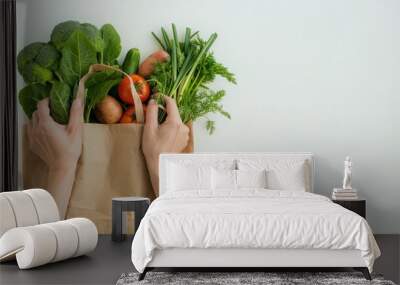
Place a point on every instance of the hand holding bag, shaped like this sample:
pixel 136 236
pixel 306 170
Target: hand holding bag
pixel 111 165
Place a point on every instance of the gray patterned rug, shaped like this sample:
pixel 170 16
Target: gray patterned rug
pixel 269 278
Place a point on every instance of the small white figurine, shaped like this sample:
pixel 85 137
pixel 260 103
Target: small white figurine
pixel 347 173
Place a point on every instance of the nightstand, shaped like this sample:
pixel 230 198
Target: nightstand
pixel 120 205
pixel 357 206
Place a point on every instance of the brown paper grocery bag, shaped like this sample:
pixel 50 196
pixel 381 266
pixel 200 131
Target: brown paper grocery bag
pixel 111 165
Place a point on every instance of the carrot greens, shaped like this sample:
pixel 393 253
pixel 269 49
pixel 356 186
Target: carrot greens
pixel 186 76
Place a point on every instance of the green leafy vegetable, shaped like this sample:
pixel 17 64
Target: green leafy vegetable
pixel 210 126
pixel 62 32
pixel 30 95
pixel 60 102
pixel 199 104
pixel 48 57
pixel 77 55
pixel 112 44
pixel 98 86
pixel 54 69
pixel 101 76
pixel 34 73
pixel 63 61
pixel 94 36
pixel 37 61
pixel 187 75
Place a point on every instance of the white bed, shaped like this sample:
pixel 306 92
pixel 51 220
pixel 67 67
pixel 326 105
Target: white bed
pixel 202 226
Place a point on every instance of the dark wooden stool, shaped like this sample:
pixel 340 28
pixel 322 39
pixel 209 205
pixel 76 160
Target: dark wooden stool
pixel 139 205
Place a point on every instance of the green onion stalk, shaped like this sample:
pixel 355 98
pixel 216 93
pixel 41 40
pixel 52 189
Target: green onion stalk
pixel 185 77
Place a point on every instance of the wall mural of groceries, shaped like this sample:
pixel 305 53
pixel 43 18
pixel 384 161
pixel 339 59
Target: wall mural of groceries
pixel 115 155
pixel 182 69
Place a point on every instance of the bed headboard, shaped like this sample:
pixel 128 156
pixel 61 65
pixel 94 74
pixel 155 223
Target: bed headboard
pixel 217 156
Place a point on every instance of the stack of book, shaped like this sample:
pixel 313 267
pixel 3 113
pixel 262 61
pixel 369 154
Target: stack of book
pixel 344 194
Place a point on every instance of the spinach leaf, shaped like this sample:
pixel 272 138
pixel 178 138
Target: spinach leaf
pixel 98 91
pixel 112 43
pixel 102 76
pixel 62 32
pixel 30 95
pixel 60 102
pixel 63 61
pixel 77 55
pixel 94 35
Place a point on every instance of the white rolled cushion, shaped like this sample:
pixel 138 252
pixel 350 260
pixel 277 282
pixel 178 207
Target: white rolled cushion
pixel 87 235
pixel 7 218
pixel 23 208
pixel 46 207
pixel 45 243
pixel 33 245
pixel 67 239
pixel 251 178
pixel 223 179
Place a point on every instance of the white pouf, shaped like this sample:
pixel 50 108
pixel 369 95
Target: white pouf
pixel 41 244
pixel 23 208
pixel 26 208
pixel 46 207
pixel 67 238
pixel 31 232
pixel 32 245
pixel 87 233
pixel 7 220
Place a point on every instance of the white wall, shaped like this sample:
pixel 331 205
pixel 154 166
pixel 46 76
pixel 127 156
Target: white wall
pixel 320 76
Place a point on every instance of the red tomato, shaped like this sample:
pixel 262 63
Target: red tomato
pixel 141 85
pixel 129 116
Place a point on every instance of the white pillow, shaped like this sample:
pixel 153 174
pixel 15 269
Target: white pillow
pixel 288 174
pixel 188 177
pixel 251 178
pixel 223 179
pixel 287 179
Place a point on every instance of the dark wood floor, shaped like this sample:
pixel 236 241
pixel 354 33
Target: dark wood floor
pixel 110 260
pixel 389 262
pixel 102 266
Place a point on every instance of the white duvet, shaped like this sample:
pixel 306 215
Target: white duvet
pixel 250 218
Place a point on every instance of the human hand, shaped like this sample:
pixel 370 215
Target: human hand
pixel 170 137
pixel 59 146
